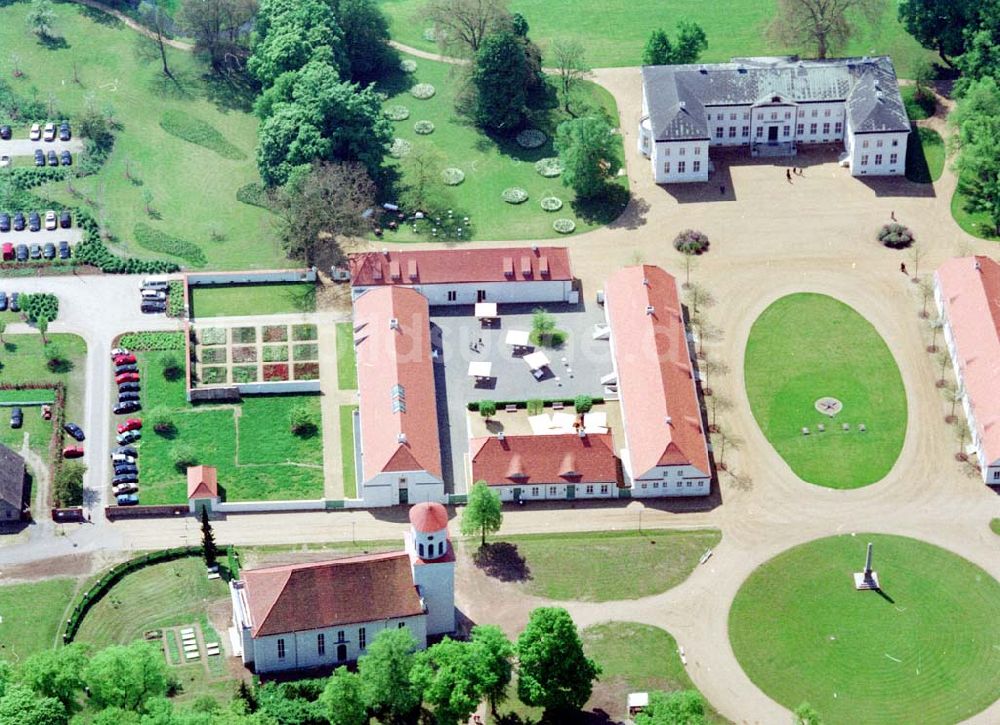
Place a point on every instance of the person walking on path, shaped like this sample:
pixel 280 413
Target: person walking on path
pixel 892 215
pixel 788 175
pixel 902 268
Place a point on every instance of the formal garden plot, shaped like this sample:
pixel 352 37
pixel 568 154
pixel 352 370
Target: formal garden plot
pixel 805 347
pixel 250 354
pixel 914 653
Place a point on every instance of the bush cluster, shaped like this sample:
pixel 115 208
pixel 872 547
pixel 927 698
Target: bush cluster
pixel 397 113
pixel 452 176
pixel 408 66
pixel 152 340
pixel 253 194
pixel 896 236
pixel 691 242
pixel 92 251
pixel 163 243
pixel 36 305
pixel 423 91
pixel 514 195
pixel 533 404
pixel 551 203
pixel 175 299
pixel 531 138
pixel 549 167
pixel 564 226
pixel 423 128
pixel 400 147
pixel 25 177
pixel 194 130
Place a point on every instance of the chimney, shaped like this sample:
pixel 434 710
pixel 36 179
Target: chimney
pixel 650 309
pixel 534 248
pixel 393 324
pixel 501 436
pixel 668 420
pixel 979 266
pixel 645 281
pixel 401 438
pixel 385 252
pixel 582 433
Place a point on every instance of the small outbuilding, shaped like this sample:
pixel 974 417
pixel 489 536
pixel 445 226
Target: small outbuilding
pixel 12 488
pixel 203 488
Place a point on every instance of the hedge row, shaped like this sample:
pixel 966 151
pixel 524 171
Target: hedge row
pixel 201 133
pixel 152 340
pixel 253 194
pixel 163 243
pixel 92 251
pixel 473 406
pixel 36 305
pixel 175 298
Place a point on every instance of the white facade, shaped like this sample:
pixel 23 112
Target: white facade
pixel 395 487
pixel 468 293
pixel 556 491
pixel 877 154
pixel 435 579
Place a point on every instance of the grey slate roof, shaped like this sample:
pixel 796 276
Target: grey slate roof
pixel 11 479
pixel 677 94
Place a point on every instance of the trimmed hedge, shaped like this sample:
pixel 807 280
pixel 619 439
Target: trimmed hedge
pixel 194 130
pixel 175 298
pixel 253 194
pixel 36 305
pixel 92 251
pixel 473 406
pixel 163 243
pixel 152 340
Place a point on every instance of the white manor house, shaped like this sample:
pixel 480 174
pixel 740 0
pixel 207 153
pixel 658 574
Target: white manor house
pixel 772 105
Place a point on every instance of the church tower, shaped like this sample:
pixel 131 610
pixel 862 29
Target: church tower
pixel 432 559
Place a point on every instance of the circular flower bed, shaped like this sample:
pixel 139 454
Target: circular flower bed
pixel 397 113
pixel 551 203
pixel 564 226
pixel 407 66
pixel 423 127
pixel 895 235
pixel 400 148
pixel 549 167
pixel 514 195
pixel 429 35
pixel 691 242
pixel 453 176
pixel 531 138
pixel 423 91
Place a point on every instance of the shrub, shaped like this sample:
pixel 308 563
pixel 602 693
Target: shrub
pixel 514 195
pixel 564 226
pixel 422 91
pixel 896 236
pixel 244 373
pixel 275 333
pixel 171 366
pixel 452 176
pixel 302 421
pixel 306 371
pixel 163 243
pixel 691 242
pixel 55 360
pixel 183 456
pixel 583 403
pixel 162 421
pixel 400 147
pixel 397 113
pixel 36 305
pixel 152 340
pixel 534 406
pixel 253 194
pixel 407 66
pixel 551 203
pixel 303 332
pixel 423 128
pixel 175 299
pixel 487 408
pixel 67 486
pixel 194 130
pixel 275 353
pixel 549 167
pixel 531 138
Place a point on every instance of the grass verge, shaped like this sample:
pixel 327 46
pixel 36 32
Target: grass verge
pixel 347 450
pixel 976 223
pixel 347 364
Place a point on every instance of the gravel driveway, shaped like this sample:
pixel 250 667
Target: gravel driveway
pixel 72 235
pixel 24 147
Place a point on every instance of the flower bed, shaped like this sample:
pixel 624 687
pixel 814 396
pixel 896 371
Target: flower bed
pixel 303 332
pixel 275 373
pixel 423 127
pixel 531 138
pixel 407 66
pixel 244 354
pixel 213 355
pixel 895 236
pixel 422 91
pixel 308 351
pixel 306 371
pixel 275 353
pixel 397 113
pixel 564 226
pixel 551 203
pixel 212 336
pixel 452 176
pixel 213 375
pixel 549 167
pixel 400 148
pixel 244 373
pixel 275 333
pixel 514 195
pixel 244 335
pixel 691 241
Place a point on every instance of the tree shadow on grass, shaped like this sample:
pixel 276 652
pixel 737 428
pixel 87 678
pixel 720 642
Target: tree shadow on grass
pixel 99 16
pixel 501 560
pixel 395 82
pixel 53 42
pixel 604 208
pixel 230 91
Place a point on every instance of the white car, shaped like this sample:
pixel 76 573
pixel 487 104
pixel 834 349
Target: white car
pixel 50 221
pixel 123 488
pixel 50 132
pixel 35 133
pixel 115 352
pixel 122 458
pixel 4 162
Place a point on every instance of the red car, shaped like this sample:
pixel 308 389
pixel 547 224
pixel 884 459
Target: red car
pixel 8 251
pixel 129 424
pixel 127 378
pixel 126 359
pixel 72 451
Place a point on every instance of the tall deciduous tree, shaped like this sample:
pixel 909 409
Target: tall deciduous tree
pixel 569 58
pixel 41 18
pixel 553 672
pixel 20 705
pixel 824 24
pixel 500 75
pixel 492 655
pixel 587 150
pixel 483 513
pixel 218 29
pixel 977 118
pixel 288 34
pixel 366 39
pixel 461 26
pixel 56 673
pixel 658 50
pixel 447 676
pixel 385 671
pixel 683 707
pixel 691 43
pixel 940 25
pixel 342 699
pixel 981 55
pixel 126 675
pixel 154 46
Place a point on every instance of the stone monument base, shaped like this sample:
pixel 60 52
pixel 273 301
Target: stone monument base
pixel 863 582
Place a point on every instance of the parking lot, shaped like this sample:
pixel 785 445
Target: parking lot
pixel 72 235
pixel 23 147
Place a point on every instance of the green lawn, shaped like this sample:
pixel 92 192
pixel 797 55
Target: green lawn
pixel 588 566
pixel 347 364
pixel 31 616
pixel 269 462
pixel 995 526
pixel 193 188
pixel 347 450
pixel 490 165
pixel 917 110
pixel 252 299
pixel 917 654
pixel 635 658
pixel 615 31
pixel 976 223
pixel 808 346
pixel 925 154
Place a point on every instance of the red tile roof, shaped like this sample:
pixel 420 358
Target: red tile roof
pixel 298 597
pixel 203 482
pixel 398 405
pixel 428 517
pixel 455 266
pixel 972 306
pixel 543 459
pixel 655 377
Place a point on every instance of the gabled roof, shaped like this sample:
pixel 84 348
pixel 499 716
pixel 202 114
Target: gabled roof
pixel 655 376
pixel 298 597
pixel 457 266
pixel 971 298
pixel 398 405
pixel 11 479
pixel 676 95
pixel 203 482
pixel 543 459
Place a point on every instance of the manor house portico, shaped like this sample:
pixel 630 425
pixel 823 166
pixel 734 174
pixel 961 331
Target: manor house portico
pixel 771 105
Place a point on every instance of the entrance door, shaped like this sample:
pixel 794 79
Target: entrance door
pixel 772 134
pixel 404 495
pixel 341 652
pixel 517 495
pixel 570 491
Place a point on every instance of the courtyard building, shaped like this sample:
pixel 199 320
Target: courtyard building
pixel 967 293
pixel 12 488
pixel 666 451
pixel 323 614
pixel 770 106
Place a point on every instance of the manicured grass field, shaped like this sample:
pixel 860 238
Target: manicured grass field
pixel 925 154
pixel 995 526
pixel 808 346
pixel 490 165
pixel 636 658
pixel 976 223
pixel 915 653
pixel 347 364
pixel 193 188
pixel 32 614
pixel 251 444
pixel 347 450
pixel 252 299
pixel 588 566
pixel 615 31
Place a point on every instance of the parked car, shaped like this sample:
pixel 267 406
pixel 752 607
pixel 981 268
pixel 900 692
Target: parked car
pixel 124 359
pixel 153 307
pixel 126 368
pixel 129 387
pixel 8 251
pixel 153 295
pixel 5 132
pixel 129 436
pixel 66 158
pixel 19 221
pixel 15 298
pixel 16 417
pixel 129 406
pixel 127 378
pixel 161 284
pixel 4 222
pixel 34 221
pixel 72 451
pixel 53 158
pixel 50 220
pixel 116 351
pixel 127 396
pixel 35 132
pixel 36 251
pixel 122 458
pixel 126 469
pixel 39 157
pixel 64 250
pixel 130 424
pixel 129 499
pixel 46 412
pixel 74 430
pixel 49 133
pixel 123 488
pixel 21 251
pixel 3 301
pixel 125 451
pixel 48 250
pixel 65 219
pixel 4 161
pixel 125 478
pixel 64 132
